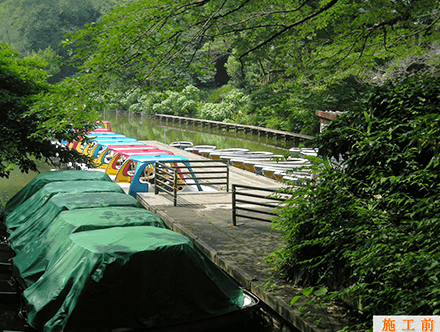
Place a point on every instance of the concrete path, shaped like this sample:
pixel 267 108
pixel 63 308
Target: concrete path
pixel 206 218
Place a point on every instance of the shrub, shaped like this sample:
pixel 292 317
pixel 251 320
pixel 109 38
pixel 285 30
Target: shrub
pixel 370 227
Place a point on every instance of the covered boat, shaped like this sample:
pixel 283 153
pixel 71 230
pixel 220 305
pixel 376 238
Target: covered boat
pixel 128 277
pixel 44 178
pixel 35 203
pixel 22 236
pixel 43 242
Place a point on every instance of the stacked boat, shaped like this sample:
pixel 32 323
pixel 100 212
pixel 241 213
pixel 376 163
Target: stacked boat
pixel 294 168
pixel 88 257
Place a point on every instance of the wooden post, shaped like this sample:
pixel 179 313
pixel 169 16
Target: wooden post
pixel 234 216
pixel 156 189
pixel 175 187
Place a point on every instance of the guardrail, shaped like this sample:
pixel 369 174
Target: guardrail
pixel 173 176
pixel 266 202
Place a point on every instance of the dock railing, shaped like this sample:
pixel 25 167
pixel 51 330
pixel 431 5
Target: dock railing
pixel 257 206
pixel 199 175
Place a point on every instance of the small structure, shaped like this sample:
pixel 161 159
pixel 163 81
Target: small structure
pixel 325 117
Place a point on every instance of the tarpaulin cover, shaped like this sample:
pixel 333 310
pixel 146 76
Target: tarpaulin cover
pixel 31 263
pixel 128 277
pixel 44 178
pixel 37 200
pixel 24 234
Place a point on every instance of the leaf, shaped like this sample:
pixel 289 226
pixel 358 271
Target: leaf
pixel 321 291
pixel 294 300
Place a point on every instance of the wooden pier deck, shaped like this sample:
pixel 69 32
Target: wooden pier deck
pixel 293 138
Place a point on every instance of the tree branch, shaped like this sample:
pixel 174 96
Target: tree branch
pixel 287 28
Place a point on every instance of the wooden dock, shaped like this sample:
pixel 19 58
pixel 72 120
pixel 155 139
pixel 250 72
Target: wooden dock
pixel 288 137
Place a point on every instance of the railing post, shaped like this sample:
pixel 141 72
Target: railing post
pixel 227 177
pixel 234 216
pixel 175 187
pixel 156 189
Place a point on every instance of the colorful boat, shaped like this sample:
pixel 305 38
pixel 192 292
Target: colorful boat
pixel 121 155
pixel 137 173
pixel 107 153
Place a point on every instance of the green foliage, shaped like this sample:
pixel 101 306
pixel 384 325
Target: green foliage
pixel 161 41
pixel 34 114
pixel 50 57
pixel 36 27
pixel 368 229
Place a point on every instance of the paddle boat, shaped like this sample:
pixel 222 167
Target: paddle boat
pixel 137 173
pixel 86 145
pixel 105 125
pixel 196 148
pixel 100 145
pixel 303 152
pixel 121 155
pixel 215 154
pixel 242 161
pixel 97 132
pixel 205 152
pixel 181 144
pixel 294 163
pixel 107 153
pixel 91 140
pixel 251 154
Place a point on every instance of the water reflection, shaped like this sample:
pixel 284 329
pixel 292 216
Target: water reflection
pixel 148 128
pixel 17 180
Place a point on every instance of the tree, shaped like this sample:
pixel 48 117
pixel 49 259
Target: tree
pixel 39 27
pixel 35 114
pixel 305 39
pixel 368 228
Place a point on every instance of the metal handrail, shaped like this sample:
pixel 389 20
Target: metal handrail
pixel 268 202
pixel 170 177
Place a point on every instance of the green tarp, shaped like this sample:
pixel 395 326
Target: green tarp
pixel 34 203
pixel 24 233
pixel 44 178
pixel 128 277
pixel 31 262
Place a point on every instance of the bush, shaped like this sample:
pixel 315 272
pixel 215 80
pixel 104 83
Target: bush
pixel 370 227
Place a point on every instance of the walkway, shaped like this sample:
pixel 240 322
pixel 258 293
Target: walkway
pixel 206 218
pixel 295 138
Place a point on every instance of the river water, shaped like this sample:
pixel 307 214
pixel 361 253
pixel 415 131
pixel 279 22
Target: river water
pixel 149 128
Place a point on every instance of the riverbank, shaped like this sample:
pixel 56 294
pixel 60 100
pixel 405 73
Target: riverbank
pixel 241 250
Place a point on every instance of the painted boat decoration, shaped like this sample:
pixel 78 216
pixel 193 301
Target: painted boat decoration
pixel 137 173
pixel 107 154
pixel 121 155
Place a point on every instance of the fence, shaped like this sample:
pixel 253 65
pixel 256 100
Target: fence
pixel 266 202
pixel 193 175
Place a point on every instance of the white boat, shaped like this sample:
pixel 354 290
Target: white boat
pixel 215 154
pixel 196 148
pixel 304 151
pixel 181 144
